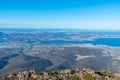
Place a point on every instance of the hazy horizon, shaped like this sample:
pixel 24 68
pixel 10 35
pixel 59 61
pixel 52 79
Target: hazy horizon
pixel 70 14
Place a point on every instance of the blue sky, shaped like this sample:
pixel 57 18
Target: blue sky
pixel 82 14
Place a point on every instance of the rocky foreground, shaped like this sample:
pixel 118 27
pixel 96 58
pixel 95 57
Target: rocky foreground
pixel 66 74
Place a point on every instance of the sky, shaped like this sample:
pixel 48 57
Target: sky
pixel 74 14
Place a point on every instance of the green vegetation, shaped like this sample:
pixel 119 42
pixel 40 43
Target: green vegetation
pixel 105 73
pixel 74 78
pixel 89 77
pixel 31 78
